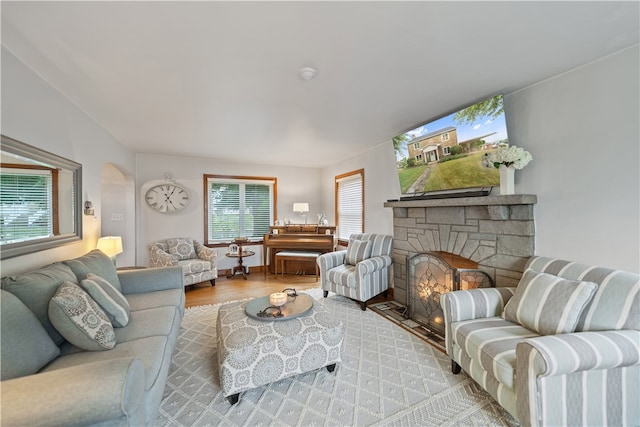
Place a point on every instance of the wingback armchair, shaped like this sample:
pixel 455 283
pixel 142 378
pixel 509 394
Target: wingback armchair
pixel 199 263
pixel 562 348
pixel 361 272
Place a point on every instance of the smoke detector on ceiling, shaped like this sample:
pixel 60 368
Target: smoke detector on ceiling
pixel 307 73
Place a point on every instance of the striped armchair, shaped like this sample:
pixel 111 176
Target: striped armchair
pixel 563 348
pixel 361 272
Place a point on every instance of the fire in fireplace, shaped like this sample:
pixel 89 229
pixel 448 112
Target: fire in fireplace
pixel 432 274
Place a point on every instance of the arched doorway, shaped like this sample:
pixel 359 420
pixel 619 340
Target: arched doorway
pixel 117 211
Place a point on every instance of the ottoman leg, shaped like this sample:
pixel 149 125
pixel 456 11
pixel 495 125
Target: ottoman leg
pixel 233 399
pixel 325 293
pixel 331 367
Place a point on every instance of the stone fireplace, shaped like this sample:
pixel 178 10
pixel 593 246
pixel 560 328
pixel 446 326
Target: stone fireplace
pixel 432 274
pixel 494 235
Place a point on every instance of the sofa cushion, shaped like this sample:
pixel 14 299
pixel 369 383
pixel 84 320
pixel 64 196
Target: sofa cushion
pixel 357 251
pixel 25 346
pixel 167 297
pixel 95 262
pixel 491 342
pixel 148 323
pixel 114 304
pixel 182 248
pixel 80 319
pixel 152 351
pixel 344 275
pixel 36 288
pixel 548 304
pixel 194 266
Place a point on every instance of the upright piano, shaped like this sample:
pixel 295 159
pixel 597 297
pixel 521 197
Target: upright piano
pixel 304 242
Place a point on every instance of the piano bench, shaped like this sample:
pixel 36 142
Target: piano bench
pixel 283 256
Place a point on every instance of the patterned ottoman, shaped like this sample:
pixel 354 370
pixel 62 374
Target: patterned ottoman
pixel 252 353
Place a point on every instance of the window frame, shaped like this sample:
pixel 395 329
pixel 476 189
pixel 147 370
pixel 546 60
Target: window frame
pixel 444 137
pixel 337 180
pixel 416 145
pixel 234 179
pixel 52 192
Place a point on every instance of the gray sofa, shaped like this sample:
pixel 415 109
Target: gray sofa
pixel 563 348
pixel 48 381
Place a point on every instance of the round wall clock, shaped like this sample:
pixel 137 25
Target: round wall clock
pixel 167 198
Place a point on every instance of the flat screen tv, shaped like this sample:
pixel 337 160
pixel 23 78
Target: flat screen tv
pixel 443 157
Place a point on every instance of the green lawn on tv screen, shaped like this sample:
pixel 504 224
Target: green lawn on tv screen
pixel 408 176
pixel 462 173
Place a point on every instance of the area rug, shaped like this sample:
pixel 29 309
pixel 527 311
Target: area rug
pixel 395 312
pixel 388 377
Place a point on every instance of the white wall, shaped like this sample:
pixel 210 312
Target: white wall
pixel 294 185
pixel 36 113
pixel 117 213
pixel 380 184
pixel 582 129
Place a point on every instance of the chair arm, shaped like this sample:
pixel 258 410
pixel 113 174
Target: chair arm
pixel 160 258
pixel 471 304
pixel 545 365
pixel 151 279
pixel 206 254
pixel 579 351
pixel 373 264
pixel 474 303
pixel 329 260
pixel 107 392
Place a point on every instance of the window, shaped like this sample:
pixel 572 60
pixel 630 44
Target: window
pixel 416 145
pixel 445 136
pixel 238 206
pixel 446 150
pixel 349 193
pixel 28 206
pixel 419 158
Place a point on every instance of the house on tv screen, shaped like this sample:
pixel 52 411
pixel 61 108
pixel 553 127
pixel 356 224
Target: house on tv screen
pixel 433 146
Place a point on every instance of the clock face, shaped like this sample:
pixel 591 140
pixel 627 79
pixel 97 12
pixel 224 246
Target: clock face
pixel 167 198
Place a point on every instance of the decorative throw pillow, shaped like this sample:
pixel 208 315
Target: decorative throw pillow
pixel 80 319
pixel 548 304
pixel 25 345
pixel 357 251
pixel 95 262
pixel 182 248
pixel 114 304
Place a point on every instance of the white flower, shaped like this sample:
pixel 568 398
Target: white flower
pixel 507 156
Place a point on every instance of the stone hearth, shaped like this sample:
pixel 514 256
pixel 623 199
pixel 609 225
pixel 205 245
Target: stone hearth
pixel 497 232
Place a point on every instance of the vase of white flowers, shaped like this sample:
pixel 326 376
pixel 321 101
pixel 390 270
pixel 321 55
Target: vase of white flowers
pixel 507 160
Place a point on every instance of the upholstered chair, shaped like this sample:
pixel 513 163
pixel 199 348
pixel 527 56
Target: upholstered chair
pixel 361 272
pixel 199 263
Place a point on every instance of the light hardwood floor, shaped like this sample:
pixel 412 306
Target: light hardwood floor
pixel 255 286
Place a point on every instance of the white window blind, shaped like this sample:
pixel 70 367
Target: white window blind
pixel 26 205
pixel 350 205
pixel 239 207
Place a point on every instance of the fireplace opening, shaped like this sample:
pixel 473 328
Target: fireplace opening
pixel 432 274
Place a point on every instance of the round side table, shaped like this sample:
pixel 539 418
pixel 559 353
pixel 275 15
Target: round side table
pixel 239 268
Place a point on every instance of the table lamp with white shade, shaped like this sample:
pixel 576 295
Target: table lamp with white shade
pixel 111 246
pixel 302 209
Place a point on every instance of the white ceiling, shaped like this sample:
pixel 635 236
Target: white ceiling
pixel 219 79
